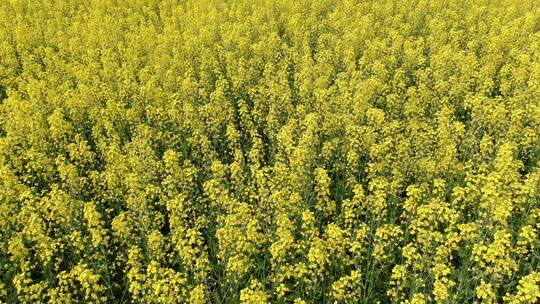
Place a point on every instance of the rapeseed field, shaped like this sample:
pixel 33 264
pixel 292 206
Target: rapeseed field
pixel 270 151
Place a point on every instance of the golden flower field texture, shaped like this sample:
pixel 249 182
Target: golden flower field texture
pixel 270 151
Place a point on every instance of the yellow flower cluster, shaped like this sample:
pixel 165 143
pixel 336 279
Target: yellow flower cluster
pixel 270 151
pixel 528 290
